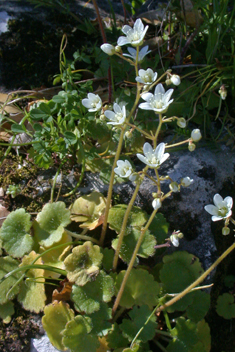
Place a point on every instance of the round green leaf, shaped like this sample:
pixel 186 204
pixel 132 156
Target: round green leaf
pixel 179 270
pixel 15 233
pixel 89 297
pixel 77 336
pixel 50 222
pixel 140 289
pixel 226 306
pixel 159 228
pixel 199 307
pixel 6 311
pixel 83 263
pixel 129 242
pixel 56 315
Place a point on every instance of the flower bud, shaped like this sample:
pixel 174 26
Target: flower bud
pixel 127 91
pixel 168 82
pixel 156 203
pixel 175 79
pixel 223 92
pixel 118 49
pixel 174 187
pixel 225 231
pixel 181 122
pixel 128 134
pixel 196 135
pixel 186 181
pixel 108 49
pixel 191 147
pixel 102 117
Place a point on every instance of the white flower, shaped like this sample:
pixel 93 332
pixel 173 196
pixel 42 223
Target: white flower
pixel 196 135
pixel 175 240
pixel 223 92
pixel 142 53
pixel 108 49
pixel 134 36
pixel 174 187
pixel 124 168
pixel 175 79
pixel 118 116
pixel 93 102
pixel 153 158
pixel 221 209
pixel 181 122
pixel 156 203
pixel 146 76
pixel 159 101
pixel 186 181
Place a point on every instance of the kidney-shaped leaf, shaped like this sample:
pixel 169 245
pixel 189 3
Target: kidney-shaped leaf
pixel 83 263
pixel 226 306
pixel 50 222
pixel 16 239
pixel 7 264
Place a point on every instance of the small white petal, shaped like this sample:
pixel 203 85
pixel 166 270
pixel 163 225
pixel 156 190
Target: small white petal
pixel 211 209
pixel 218 200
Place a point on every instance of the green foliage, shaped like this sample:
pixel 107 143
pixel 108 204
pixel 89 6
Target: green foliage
pixel 135 293
pixel 190 337
pixel 56 316
pixel 138 317
pixel 6 311
pixel 83 264
pixel 10 286
pixel 226 306
pixel 50 222
pixel 15 234
pixel 88 298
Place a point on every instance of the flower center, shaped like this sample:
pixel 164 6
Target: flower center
pixel 222 211
pixel 118 116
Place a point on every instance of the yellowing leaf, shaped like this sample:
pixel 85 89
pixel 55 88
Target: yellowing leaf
pixel 32 292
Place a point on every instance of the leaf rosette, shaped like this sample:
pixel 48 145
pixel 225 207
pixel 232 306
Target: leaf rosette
pixel 83 263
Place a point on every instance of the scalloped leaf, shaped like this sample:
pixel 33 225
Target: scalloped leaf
pixel 50 222
pixel 56 256
pixel 77 336
pixel 140 289
pixel 115 338
pixel 199 307
pixel 83 263
pixel 89 209
pixel 188 336
pixel 6 311
pixel 89 297
pixel 225 306
pixel 137 218
pixel 159 228
pixel 100 323
pixel 32 293
pixel 7 264
pixel 15 234
pixel 129 242
pixel 56 316
pixel 179 270
pixel 139 316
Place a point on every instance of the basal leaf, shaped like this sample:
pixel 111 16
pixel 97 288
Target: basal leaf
pixel 115 338
pixel 108 255
pixel 129 242
pixel 77 336
pixel 137 217
pixel 226 306
pixel 56 316
pixel 8 264
pixel 100 320
pixel 179 270
pixel 50 222
pixel 138 317
pixel 15 233
pixel 199 307
pixel 159 228
pixel 89 297
pixel 89 209
pixel 83 263
pixel 140 289
pixel 32 292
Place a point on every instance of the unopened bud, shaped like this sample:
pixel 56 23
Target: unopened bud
pixel 196 135
pixel 223 92
pixel 128 134
pixel 191 147
pixel 108 49
pixel 118 49
pixel 181 122
pixel 186 181
pixel 102 117
pixel 156 203
pixel 174 187
pixel 175 79
pixel 225 231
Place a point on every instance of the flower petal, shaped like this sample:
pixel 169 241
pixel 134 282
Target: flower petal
pixel 148 150
pixel 142 158
pixel 211 209
pixel 218 200
pixel 168 95
pixel 122 41
pixel 145 106
pixel 126 29
pixel 159 151
pixel 229 202
pixel 147 96
pixel 216 218
pixel 159 89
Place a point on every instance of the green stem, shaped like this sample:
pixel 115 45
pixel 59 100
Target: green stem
pixel 81 236
pixel 176 144
pixel 118 152
pixel 147 135
pixel 132 262
pixel 54 180
pixel 158 131
pixel 124 223
pixel 198 281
